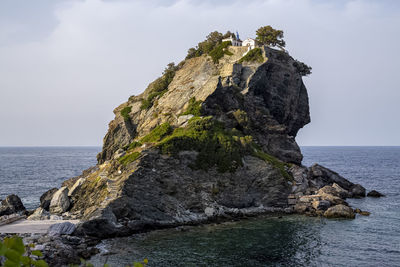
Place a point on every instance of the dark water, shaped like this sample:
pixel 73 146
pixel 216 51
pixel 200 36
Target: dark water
pixel 291 240
pixel 265 241
pixel 30 171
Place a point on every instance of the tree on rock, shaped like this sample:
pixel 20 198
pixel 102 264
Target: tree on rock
pixel 269 36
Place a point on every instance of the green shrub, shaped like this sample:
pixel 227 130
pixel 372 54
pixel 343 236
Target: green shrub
pixel 158 133
pixel 133 145
pixel 216 145
pixel 128 158
pixel 13 252
pixel 254 55
pixel 146 104
pixel 125 113
pixel 160 86
pixel 193 108
pixel 220 50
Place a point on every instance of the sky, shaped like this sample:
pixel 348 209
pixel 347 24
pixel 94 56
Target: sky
pixel 65 65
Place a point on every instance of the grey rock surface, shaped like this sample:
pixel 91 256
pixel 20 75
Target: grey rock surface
pixel 65 228
pixel 60 201
pixel 11 204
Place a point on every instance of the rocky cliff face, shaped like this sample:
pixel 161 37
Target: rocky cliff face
pixel 271 93
pixel 206 141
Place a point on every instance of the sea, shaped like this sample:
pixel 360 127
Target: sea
pixel 292 240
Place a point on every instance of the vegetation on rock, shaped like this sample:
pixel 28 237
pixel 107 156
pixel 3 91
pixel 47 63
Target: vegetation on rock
pixel 129 158
pixel 160 86
pixel 220 50
pixel 254 55
pixel 158 133
pixel 302 68
pixel 269 36
pixel 193 108
pixel 13 252
pixel 207 46
pixel 125 112
pixel 276 163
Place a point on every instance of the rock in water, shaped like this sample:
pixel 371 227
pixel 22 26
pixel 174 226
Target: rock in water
pixel 340 211
pixel 375 193
pixel 45 199
pixel 358 191
pixel 65 228
pixel 60 201
pixel 11 204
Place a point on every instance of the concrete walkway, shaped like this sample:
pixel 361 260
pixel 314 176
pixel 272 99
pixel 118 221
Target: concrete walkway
pixel 29 226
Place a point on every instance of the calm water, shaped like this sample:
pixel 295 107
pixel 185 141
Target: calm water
pixel 31 171
pixel 266 241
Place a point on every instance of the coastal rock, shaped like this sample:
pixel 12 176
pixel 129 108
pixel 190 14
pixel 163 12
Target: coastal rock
pixel 76 185
pixel 39 214
pixel 320 176
pixel 340 211
pixel 60 201
pixel 375 193
pixel 361 212
pixel 321 204
pixel 341 192
pixel 233 154
pixel 358 191
pixel 11 204
pixel 45 199
pixel 65 228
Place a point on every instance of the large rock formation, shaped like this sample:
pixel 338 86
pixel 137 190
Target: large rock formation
pixel 218 142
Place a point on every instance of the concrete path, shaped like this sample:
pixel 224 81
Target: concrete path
pixel 29 226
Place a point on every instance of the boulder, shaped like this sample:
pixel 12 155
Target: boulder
pixel 39 214
pixel 340 211
pixel 11 204
pixel 343 193
pixel 45 199
pixel 358 191
pixel 375 193
pixel 321 204
pixel 60 201
pixel 320 176
pixel 65 228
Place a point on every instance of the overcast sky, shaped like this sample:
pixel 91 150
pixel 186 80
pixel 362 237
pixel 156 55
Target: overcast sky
pixel 65 65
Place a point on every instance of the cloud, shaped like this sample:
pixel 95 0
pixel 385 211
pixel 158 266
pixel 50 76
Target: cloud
pixel 59 88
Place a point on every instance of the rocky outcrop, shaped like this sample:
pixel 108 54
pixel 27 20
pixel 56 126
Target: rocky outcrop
pixel 10 205
pixel 217 143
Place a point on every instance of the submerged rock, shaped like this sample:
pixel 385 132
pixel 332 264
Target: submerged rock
pixel 375 193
